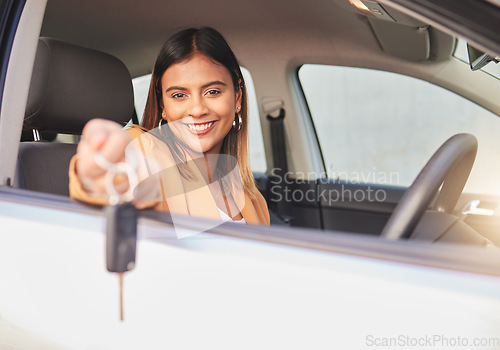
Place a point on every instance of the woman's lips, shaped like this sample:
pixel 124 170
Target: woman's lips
pixel 200 128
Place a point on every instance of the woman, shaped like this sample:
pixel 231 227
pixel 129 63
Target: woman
pixel 192 140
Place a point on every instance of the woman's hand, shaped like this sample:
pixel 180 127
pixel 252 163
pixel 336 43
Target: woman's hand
pixel 107 138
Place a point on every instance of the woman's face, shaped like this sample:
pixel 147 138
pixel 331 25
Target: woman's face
pixel 199 102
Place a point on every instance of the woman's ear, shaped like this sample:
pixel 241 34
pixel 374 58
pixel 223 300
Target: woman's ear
pixel 162 109
pixel 239 93
pixel 159 98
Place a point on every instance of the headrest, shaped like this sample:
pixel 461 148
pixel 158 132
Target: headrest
pixel 71 85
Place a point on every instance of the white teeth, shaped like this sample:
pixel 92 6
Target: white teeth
pixel 200 127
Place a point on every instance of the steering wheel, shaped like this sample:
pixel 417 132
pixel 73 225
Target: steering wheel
pixel 450 166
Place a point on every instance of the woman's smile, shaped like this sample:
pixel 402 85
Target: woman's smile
pixel 201 128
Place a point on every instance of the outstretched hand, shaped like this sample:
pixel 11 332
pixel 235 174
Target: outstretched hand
pixel 109 139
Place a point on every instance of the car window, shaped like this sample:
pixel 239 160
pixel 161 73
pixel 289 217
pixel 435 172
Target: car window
pixel 381 127
pixel 256 143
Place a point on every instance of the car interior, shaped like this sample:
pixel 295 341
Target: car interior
pixel 89 52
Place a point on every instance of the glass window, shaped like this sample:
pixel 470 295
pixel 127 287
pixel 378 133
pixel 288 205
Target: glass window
pixel 256 143
pixel 381 127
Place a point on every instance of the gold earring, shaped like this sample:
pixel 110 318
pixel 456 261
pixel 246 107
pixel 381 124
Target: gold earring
pixel 163 114
pixel 237 116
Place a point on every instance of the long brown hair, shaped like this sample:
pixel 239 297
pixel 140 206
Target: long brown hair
pixel 180 47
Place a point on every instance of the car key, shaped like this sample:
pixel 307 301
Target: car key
pixel 121 223
pixel 121 241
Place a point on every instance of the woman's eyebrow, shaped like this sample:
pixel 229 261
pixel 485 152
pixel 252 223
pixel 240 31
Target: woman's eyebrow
pixel 175 88
pixel 204 86
pixel 216 82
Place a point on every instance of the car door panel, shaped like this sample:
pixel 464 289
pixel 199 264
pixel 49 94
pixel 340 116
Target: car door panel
pixel 332 205
pixel 363 208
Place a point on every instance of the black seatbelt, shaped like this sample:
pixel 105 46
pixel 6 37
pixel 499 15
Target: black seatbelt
pixel 279 202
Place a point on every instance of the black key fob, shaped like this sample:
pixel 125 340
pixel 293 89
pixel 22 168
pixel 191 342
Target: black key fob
pixel 121 237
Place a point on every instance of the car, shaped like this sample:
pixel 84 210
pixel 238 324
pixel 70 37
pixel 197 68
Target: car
pixel 365 121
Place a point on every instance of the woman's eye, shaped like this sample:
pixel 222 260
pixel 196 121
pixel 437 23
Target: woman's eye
pixel 178 95
pixel 213 92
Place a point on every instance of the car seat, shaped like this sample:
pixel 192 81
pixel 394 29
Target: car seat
pixel 69 86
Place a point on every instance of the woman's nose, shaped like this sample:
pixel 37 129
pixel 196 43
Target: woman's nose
pixel 198 107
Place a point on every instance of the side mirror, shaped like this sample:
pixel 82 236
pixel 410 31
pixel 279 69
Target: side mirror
pixel 478 59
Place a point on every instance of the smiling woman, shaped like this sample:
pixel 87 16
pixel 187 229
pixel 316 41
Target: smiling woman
pixel 196 88
pixel 200 93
